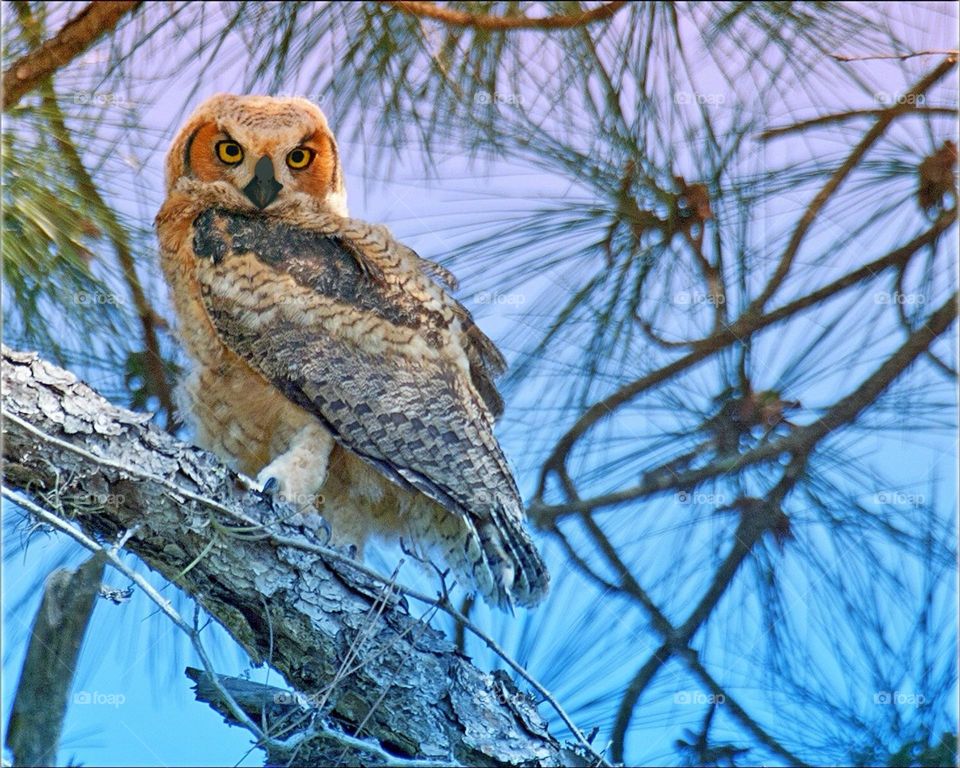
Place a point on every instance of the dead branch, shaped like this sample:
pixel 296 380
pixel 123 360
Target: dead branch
pixel 36 720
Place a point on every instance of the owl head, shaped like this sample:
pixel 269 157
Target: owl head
pixel 268 148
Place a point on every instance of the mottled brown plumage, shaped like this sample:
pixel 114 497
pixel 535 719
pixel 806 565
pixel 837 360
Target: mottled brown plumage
pixel 328 355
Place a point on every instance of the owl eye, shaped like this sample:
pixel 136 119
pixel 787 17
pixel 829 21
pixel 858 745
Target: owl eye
pixel 229 152
pixel 300 158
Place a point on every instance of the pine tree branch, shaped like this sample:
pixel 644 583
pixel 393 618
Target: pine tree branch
pixel 334 632
pixel 826 192
pixel 737 332
pixel 456 18
pixel 155 372
pixel 800 442
pixel 77 35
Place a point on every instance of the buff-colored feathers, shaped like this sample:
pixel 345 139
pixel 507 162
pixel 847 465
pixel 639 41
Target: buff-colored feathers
pixel 329 357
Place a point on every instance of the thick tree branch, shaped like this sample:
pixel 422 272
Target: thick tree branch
pixel 294 719
pixel 457 18
pixel 77 35
pixel 334 632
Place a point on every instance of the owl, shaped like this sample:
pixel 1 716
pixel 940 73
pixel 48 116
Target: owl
pixel 329 361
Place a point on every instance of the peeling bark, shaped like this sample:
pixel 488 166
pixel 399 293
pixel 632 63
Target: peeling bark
pixel 109 471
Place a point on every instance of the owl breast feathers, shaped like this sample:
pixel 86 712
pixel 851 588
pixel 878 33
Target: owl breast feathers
pixel 330 357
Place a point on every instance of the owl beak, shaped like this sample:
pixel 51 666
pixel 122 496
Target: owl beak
pixel 263 187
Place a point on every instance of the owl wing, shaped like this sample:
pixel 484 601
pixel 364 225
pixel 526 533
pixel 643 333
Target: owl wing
pixel 380 354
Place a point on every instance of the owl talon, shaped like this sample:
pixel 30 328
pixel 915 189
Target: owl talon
pixel 326 529
pixel 315 523
pixel 270 490
pixel 270 487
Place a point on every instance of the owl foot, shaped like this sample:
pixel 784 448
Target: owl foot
pixel 289 512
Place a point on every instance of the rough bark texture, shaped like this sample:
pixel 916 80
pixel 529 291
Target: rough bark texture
pixel 406 683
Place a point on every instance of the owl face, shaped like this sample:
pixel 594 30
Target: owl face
pixel 268 148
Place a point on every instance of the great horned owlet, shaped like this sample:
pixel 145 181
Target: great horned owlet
pixel 329 357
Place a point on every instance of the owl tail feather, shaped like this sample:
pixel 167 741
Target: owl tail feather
pixel 496 557
pixel 519 574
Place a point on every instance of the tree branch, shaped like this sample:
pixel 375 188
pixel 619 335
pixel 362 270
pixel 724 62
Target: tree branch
pixel 155 371
pixel 839 176
pixel 306 610
pixel 747 324
pixel 838 117
pixel 898 56
pixel 801 441
pixel 457 18
pixel 77 35
pixel 69 597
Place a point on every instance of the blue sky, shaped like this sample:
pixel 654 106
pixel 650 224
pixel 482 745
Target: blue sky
pixel 585 645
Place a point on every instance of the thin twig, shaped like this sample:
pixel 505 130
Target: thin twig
pixel 457 18
pixel 898 56
pixel 836 117
pixel 746 325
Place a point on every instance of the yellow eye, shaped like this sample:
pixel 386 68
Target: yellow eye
pixel 229 152
pixel 300 158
